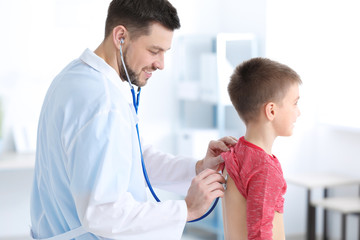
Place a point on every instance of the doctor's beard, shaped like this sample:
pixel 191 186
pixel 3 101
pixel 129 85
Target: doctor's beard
pixel 134 79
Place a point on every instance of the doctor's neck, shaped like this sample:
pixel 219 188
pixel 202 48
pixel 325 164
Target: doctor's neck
pixel 106 50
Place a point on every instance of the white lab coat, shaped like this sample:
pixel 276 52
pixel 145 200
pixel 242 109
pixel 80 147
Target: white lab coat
pixel 88 168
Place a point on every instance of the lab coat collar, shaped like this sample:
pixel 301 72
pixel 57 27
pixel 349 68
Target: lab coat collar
pixel 96 62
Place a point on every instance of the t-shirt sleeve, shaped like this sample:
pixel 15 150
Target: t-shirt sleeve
pixel 264 190
pixel 231 163
pixel 233 167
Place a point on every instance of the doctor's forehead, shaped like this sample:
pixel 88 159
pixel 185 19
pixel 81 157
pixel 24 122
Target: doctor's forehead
pixel 159 37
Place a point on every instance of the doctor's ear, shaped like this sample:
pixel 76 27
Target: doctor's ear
pixel 118 35
pixel 270 110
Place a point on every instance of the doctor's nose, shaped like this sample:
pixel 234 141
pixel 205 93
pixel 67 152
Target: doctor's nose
pixel 159 62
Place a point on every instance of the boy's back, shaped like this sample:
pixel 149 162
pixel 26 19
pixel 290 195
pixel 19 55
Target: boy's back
pixel 234 212
pixel 234 215
pixel 254 197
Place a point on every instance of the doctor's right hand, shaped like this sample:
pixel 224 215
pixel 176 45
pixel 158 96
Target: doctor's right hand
pixel 204 189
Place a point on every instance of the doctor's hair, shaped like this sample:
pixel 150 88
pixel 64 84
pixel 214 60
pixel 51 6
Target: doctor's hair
pixel 258 81
pixel 137 16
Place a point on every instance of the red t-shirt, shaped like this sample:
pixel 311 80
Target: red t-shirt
pixel 259 178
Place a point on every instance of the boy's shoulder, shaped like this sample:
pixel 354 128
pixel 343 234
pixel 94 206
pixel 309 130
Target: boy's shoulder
pixel 254 158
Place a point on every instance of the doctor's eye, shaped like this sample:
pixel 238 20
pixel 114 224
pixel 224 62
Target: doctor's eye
pixel 153 52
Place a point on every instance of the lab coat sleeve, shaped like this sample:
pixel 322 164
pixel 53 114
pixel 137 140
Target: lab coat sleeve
pixel 168 172
pixel 99 169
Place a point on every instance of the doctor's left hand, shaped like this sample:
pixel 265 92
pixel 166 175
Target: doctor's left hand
pixel 212 158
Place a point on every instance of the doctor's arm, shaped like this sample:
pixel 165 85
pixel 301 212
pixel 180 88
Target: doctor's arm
pixel 205 187
pixel 174 173
pixel 100 173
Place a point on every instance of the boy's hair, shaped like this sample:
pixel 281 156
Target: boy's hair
pixel 258 81
pixel 137 15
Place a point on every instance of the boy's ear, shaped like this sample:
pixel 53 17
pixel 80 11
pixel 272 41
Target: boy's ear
pixel 270 110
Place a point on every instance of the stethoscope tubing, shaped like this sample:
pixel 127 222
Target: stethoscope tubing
pixel 136 106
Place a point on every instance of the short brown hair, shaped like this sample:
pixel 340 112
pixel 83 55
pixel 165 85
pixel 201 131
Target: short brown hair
pixel 258 81
pixel 137 15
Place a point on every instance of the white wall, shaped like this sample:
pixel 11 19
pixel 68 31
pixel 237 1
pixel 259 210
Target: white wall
pixel 15 187
pixel 320 40
pixel 38 39
pixel 41 37
pixel 158 111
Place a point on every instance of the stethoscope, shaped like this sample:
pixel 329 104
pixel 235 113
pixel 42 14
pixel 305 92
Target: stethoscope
pixel 136 106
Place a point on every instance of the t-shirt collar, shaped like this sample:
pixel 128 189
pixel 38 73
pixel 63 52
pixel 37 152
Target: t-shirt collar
pixel 242 139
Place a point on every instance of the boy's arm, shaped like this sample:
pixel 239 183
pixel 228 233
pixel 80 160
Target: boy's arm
pixel 264 188
pixel 278 227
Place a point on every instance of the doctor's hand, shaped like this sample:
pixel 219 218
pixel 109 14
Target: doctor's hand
pixel 204 189
pixel 212 158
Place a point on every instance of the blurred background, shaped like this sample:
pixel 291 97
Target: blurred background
pixel 184 106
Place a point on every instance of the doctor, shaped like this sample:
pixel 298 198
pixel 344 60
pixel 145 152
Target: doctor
pixel 88 181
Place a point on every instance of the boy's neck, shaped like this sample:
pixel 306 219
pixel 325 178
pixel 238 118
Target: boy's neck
pixel 260 136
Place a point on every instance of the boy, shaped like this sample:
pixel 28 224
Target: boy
pixel 265 95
